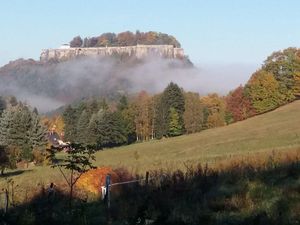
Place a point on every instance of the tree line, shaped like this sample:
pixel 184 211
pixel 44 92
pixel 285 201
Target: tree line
pixel 142 117
pixel 126 38
pixel 276 83
pixel 175 112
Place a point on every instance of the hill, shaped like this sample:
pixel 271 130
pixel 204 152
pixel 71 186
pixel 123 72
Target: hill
pixel 62 75
pixel 274 131
pixel 48 86
pixel 277 130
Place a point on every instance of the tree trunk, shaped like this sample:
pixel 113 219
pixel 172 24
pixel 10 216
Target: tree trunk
pixel 71 191
pixel 71 197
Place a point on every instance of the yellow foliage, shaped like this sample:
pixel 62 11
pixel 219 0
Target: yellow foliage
pixel 92 180
pixel 55 122
pixel 296 88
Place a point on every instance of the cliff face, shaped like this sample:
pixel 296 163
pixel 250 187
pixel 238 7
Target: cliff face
pixel 138 51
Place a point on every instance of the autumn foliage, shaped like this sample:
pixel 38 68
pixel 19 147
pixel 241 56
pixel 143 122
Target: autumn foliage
pixel 239 105
pixel 92 180
pixel 126 38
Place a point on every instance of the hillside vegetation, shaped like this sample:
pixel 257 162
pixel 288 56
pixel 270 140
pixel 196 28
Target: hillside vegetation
pixel 126 38
pixel 276 130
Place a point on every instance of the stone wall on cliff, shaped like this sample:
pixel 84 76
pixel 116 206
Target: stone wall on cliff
pixel 138 51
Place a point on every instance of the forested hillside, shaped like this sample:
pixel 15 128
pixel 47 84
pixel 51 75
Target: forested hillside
pixel 175 111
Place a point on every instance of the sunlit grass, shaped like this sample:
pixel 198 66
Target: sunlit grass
pixel 275 131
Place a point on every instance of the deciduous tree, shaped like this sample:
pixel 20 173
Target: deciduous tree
pixel 193 114
pixel 264 91
pixel 239 105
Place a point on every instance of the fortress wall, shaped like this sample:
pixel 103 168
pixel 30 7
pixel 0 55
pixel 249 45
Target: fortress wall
pixel 139 51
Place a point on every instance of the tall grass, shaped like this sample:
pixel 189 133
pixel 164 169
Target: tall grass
pixel 261 189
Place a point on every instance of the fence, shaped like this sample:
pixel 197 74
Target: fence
pixel 106 193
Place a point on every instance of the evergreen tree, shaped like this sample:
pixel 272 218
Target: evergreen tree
pixel 93 128
pixel 103 105
pixel 171 97
pixel 111 130
pixel 69 117
pixel 128 116
pixel 82 128
pixel 38 132
pixel 123 103
pixel 175 127
pixel 15 126
pixel 160 117
pixel 21 128
pixel 6 123
pixel 92 107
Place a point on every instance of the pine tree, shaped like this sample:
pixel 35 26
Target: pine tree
pixel 171 97
pixel 82 128
pixel 16 129
pixel 175 127
pixel 38 132
pixel 160 117
pixel 128 116
pixel 69 117
pixel 93 128
pixel 92 107
pixel 111 130
pixel 6 123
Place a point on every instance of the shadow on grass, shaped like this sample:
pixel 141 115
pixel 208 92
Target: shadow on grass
pixel 15 173
pixel 241 194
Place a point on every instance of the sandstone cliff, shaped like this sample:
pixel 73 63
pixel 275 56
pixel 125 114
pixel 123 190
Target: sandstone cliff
pixel 138 51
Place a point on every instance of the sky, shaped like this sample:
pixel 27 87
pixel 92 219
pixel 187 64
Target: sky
pixel 221 33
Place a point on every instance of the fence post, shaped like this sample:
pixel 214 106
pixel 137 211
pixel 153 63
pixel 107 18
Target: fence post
pixel 147 178
pixel 107 185
pixel 6 201
pixel 107 197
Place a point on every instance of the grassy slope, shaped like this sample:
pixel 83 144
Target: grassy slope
pixel 279 129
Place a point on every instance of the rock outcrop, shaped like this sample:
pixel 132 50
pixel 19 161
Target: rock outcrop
pixel 138 51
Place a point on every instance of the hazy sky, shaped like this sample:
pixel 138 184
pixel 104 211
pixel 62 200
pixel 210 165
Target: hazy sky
pixel 212 32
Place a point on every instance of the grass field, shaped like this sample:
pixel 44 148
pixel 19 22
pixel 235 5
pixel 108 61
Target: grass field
pixel 278 130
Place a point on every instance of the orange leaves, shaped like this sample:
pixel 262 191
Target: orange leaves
pixel 92 180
